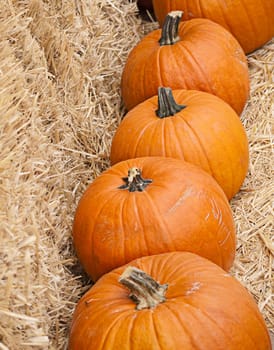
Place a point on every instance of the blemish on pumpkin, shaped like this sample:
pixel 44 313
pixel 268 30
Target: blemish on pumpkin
pixel 188 193
pixel 195 286
pixel 228 232
pixel 215 210
pixel 226 275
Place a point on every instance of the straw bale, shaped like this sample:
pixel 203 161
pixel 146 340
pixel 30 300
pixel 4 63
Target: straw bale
pixel 60 104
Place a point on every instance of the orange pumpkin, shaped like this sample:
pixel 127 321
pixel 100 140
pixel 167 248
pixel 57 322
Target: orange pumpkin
pixel 191 125
pixel 250 21
pixel 195 55
pixel 164 204
pixel 168 301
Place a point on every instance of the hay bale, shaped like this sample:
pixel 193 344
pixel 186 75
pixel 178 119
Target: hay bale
pixel 60 69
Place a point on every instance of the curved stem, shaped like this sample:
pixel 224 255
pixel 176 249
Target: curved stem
pixel 170 28
pixel 134 181
pixel 144 290
pixel 166 103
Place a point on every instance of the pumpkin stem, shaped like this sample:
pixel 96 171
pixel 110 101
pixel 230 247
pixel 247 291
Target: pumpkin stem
pixel 144 290
pixel 166 103
pixel 170 28
pixel 134 181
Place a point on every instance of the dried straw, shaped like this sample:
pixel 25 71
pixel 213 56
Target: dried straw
pixel 60 69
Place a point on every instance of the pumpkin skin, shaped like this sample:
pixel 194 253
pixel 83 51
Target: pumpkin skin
pixel 205 308
pixel 207 133
pixel 250 21
pixel 206 58
pixel 182 209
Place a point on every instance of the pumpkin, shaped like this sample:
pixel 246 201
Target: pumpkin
pixel 250 21
pixel 169 301
pixel 152 205
pixel 191 125
pixel 195 55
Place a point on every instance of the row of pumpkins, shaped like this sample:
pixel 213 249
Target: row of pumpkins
pixel 155 231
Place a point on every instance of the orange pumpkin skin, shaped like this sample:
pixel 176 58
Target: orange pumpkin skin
pixel 207 133
pixel 182 209
pixel 250 21
pixel 206 58
pixel 205 308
